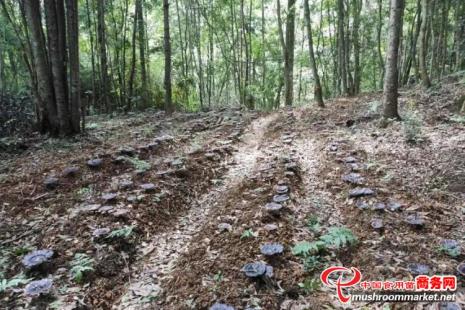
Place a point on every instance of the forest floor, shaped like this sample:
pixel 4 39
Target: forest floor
pixel 176 207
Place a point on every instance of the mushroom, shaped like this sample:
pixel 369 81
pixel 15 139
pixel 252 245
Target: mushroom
pixel 282 189
pixel 70 172
pixel 100 232
pixel 39 287
pixel 271 249
pixel 415 220
pixel 379 206
pixel 418 269
pixel 353 178
pixel 273 208
pixel 51 183
pixel 219 306
pixel 37 258
pixel 377 224
pixel 360 192
pixel 95 163
pixel 257 270
pixel 449 306
pixel 109 197
pixel 148 187
pixel 280 198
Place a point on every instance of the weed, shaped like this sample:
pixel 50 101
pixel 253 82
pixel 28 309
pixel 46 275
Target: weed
pixel 412 128
pixel 314 224
pixel 80 265
pixel 312 263
pixel 338 237
pixel 310 285
pixel 249 233
pixel 306 248
pixel 124 232
pixel 138 164
pixel 19 279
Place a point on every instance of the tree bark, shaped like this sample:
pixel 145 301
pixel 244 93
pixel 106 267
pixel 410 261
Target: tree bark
pixel 102 41
pixel 142 60
pixel 167 47
pixel 391 79
pixel 317 88
pixel 342 71
pixel 289 59
pixel 423 49
pixel 73 46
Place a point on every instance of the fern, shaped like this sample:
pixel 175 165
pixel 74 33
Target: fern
pixel 249 233
pixel 81 264
pixel 339 237
pixel 124 232
pixel 305 248
pixel 310 285
pixel 13 282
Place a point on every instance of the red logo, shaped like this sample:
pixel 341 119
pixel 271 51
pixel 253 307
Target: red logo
pixel 339 284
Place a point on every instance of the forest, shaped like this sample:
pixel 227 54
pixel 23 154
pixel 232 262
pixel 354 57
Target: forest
pixel 231 154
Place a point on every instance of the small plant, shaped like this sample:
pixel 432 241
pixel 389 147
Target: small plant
pixel 311 263
pixel 249 233
pixel 124 233
pixel 13 282
pixel 138 164
pixel 450 247
pixel 81 264
pixel 314 224
pixel 218 277
pixel 412 128
pixel 306 248
pixel 310 285
pixel 339 237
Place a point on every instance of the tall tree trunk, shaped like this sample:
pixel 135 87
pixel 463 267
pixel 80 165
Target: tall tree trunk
pixel 92 53
pixel 132 69
pixel 142 44
pixel 317 88
pixel 391 79
pixel 57 62
pixel 342 46
pixel 49 121
pixel 357 9
pixel 102 41
pixel 423 49
pixel 378 36
pixel 167 47
pixel 289 60
pixel 73 46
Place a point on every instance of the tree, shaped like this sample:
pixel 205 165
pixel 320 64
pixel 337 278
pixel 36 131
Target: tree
pixel 102 41
pixel 167 47
pixel 423 49
pixel 392 77
pixel 74 80
pixel 317 88
pixel 289 55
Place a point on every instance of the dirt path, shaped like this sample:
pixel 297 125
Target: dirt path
pixel 162 253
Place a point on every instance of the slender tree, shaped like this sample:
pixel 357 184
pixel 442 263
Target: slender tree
pixel 392 77
pixel 289 59
pixel 167 47
pixel 317 88
pixel 423 49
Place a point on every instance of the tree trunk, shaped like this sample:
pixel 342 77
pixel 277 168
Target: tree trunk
pixel 317 88
pixel 357 9
pixel 423 49
pixel 102 41
pixel 289 60
pixel 342 47
pixel 57 62
pixel 142 60
pixel 46 100
pixel 73 46
pixel 167 47
pixel 391 79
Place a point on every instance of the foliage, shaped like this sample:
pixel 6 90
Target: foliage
pixel 80 265
pixel 249 233
pixel 306 248
pixel 310 285
pixel 338 237
pixel 412 128
pixel 314 224
pixel 13 282
pixel 138 164
pixel 311 263
pixel 124 232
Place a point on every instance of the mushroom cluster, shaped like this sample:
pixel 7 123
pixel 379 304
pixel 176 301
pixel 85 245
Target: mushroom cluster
pixel 37 258
pixel 257 270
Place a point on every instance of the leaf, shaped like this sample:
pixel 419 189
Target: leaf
pixel 305 248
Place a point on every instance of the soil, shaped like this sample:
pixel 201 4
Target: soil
pixel 189 234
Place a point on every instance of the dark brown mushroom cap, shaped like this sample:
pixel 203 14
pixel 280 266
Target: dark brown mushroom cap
pixel 271 249
pixel 415 220
pixel 280 198
pixel 95 163
pixel 36 258
pixel 39 287
pixel 218 306
pixel 360 192
pixel 418 269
